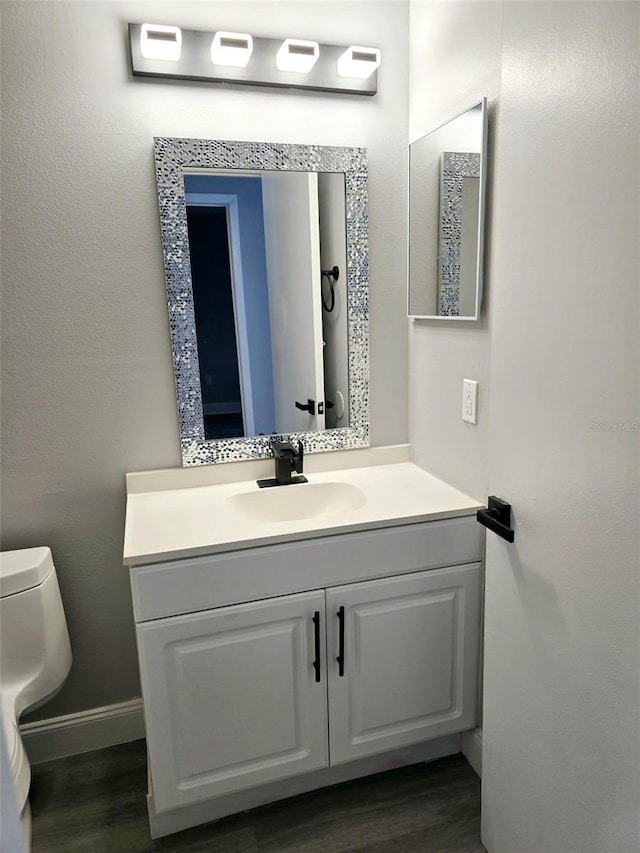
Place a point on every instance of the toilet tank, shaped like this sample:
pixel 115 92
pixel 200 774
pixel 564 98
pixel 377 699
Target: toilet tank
pixel 35 653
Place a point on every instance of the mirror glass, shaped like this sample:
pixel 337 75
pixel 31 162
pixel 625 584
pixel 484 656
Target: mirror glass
pixel 265 250
pixel 447 169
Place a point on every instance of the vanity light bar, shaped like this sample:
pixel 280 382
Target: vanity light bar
pixel 233 49
pixel 226 57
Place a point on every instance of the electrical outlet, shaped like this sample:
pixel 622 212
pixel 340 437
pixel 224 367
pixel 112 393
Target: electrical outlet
pixel 470 401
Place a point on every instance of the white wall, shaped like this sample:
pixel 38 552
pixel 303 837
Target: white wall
pixel 87 376
pixel 561 757
pixel 454 61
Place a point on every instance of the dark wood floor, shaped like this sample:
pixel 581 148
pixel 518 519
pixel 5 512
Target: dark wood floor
pixel 95 803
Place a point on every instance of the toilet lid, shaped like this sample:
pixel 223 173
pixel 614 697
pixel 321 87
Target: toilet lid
pixel 24 569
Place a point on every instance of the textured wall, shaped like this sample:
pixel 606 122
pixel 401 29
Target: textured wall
pixel 561 768
pixel 87 385
pixel 561 757
pixel 454 61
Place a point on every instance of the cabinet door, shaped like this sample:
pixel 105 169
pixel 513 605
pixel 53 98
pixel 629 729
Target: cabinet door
pixel 231 698
pixel 410 660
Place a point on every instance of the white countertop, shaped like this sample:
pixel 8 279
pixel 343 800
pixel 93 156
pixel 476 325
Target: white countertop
pixel 186 522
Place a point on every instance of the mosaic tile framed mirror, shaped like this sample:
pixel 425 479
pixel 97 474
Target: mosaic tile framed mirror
pixel 447 189
pixel 267 272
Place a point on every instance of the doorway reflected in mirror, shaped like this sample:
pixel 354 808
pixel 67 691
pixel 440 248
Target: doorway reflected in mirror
pixel 214 312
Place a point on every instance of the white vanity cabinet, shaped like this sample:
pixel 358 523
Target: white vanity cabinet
pixel 237 696
pixel 271 670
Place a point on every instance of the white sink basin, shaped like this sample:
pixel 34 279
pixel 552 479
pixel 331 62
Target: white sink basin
pixel 302 500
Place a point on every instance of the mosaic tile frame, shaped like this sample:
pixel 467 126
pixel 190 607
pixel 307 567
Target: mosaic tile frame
pixel 172 156
pixel 455 166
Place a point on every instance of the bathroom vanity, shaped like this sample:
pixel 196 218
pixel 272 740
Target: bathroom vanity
pixel 299 636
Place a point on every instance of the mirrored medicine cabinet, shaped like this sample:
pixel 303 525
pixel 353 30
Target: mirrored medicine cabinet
pixel 266 264
pixel 447 188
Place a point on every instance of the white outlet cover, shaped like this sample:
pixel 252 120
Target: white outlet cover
pixel 470 401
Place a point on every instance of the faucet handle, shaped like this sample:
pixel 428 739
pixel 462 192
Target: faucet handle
pixel 281 448
pixel 299 458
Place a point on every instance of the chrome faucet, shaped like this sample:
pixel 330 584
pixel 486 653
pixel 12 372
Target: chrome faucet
pixel 287 461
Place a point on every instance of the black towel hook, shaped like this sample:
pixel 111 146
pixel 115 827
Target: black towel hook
pixel 332 277
pixel 497 518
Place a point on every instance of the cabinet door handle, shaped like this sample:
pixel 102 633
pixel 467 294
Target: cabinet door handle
pixel 340 657
pixel 316 638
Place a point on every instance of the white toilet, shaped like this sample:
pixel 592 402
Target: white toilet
pixel 35 653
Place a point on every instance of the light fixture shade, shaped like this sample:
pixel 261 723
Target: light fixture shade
pixel 359 62
pixel 231 49
pixel 297 55
pixel 160 42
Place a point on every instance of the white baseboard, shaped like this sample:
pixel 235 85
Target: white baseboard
pixel 72 734
pixel 85 731
pixel 472 749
